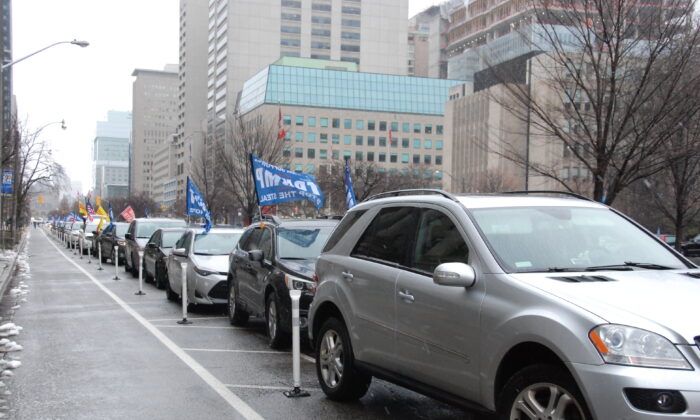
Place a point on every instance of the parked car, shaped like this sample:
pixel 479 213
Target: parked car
pixel 140 230
pixel 669 239
pixel 206 255
pixel 73 230
pixel 692 247
pixel 111 236
pixel 560 307
pixel 272 257
pixel 155 256
pixel 87 234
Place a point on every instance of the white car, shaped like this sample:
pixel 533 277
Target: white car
pixel 87 234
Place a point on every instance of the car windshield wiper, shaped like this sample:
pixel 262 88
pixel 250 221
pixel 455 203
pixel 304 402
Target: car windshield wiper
pixel 292 258
pixel 627 265
pixel 202 253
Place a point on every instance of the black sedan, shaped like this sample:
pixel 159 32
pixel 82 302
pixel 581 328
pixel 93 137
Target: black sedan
pixel 155 254
pixel 111 236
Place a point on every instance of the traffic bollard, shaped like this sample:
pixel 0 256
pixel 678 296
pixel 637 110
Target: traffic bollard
pixel 183 296
pixel 140 292
pixel 99 257
pixel 296 352
pixel 116 263
pixel 80 246
pixel 89 255
pixel 74 245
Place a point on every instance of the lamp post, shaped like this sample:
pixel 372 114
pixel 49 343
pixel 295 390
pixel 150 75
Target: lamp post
pixel 4 66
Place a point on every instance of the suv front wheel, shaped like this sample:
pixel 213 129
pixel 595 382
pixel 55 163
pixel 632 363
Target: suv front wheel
pixel 335 363
pixel 236 316
pixel 542 391
pixel 277 338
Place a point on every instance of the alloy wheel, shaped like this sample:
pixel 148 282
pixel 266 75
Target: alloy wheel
pixel 331 358
pixel 272 319
pixel 546 401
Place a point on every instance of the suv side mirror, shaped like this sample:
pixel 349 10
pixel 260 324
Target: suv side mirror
pixel 151 245
pixel 454 274
pixel 129 236
pixel 255 255
pixel 180 252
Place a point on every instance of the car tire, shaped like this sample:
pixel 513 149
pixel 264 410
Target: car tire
pixel 335 363
pixel 172 296
pixel 236 316
pixel 127 269
pixel 146 277
pixel 534 388
pixel 277 339
pixel 134 269
pixel 158 278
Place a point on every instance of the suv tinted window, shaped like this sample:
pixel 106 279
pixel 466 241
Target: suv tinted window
pixel 437 241
pixel 343 227
pixel 266 243
pixel 252 241
pixel 387 237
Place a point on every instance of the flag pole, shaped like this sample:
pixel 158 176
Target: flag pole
pixel 187 194
pixel 255 185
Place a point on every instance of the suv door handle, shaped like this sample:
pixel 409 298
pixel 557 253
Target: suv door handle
pixel 348 275
pixel 407 296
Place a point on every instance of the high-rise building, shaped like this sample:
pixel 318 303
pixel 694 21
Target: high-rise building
pixel 110 154
pixel 155 119
pixel 247 35
pixel 192 98
pixel 426 43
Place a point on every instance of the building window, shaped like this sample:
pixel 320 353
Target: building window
pixel 347 124
pixel 336 154
pixel 438 144
pixel 321 7
pixel 347 139
pixel 324 122
pixel 405 143
pixel 291 16
pixel 320 45
pixel 294 4
pixel 416 128
pixel 427 159
pixel 416 143
pixel 394 126
pixel 350 59
pixel 336 138
pixel 565 173
pixel 347 154
pixel 438 129
pixel 290 29
pixel 311 153
pixel 300 121
pixel 358 140
pixel 311 137
pixel 323 154
pixel 351 22
pixel 406 127
pixel 336 122
pixel 321 32
pixel 371 125
pixel 298 152
pixel 350 35
pixel 351 10
pixel 298 168
pixel 311 121
pixel 438 159
pixel 286 152
pixel 370 140
pixel 428 144
pixel 370 156
pixel 324 138
pixel 382 141
pixel 360 124
pixel 382 125
pixel 358 156
pixel 351 48
pixel 299 136
pixel 321 19
pixel 428 129
pixel 393 158
pixel 382 157
pixel 416 159
pixel 404 158
pixel 287 119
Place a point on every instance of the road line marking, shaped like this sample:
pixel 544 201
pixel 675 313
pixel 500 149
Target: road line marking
pixel 264 387
pixel 240 351
pixel 308 358
pixel 199 326
pixel 189 317
pixel 234 400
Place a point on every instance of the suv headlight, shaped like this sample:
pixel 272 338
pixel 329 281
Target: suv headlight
pixel 202 272
pixel 622 345
pixel 295 283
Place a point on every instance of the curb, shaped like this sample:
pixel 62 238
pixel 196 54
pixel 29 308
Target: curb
pixel 6 275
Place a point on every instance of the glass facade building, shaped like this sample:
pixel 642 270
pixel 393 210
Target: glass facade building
pixel 286 85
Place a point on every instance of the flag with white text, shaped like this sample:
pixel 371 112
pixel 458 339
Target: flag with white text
pixel 276 185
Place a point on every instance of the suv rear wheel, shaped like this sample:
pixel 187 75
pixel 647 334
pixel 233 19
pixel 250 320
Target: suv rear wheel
pixel 277 338
pixel 236 316
pixel 335 363
pixel 542 391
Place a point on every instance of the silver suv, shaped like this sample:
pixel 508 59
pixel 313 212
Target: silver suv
pixel 532 307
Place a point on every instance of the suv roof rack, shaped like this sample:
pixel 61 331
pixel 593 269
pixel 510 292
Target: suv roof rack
pixel 274 219
pixel 396 193
pixel 569 193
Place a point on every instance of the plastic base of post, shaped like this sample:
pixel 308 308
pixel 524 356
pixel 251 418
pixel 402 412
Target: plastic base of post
pixel 184 322
pixel 140 293
pixel 296 393
pixel 100 268
pixel 116 278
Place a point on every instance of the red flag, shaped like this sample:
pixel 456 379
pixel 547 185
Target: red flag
pixel 272 209
pixel 281 133
pixel 391 137
pixel 128 214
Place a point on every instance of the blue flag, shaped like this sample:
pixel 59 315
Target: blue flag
pixel 349 191
pixel 276 185
pixel 111 215
pixel 146 212
pixel 196 205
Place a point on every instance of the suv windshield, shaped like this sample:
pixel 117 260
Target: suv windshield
pixel 302 243
pixel 122 228
pixel 169 238
pixel 146 229
pixel 532 239
pixel 215 243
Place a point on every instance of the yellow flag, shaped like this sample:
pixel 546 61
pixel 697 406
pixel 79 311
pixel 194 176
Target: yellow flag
pixel 99 226
pixel 81 208
pixel 102 212
pixel 41 199
pixel 98 200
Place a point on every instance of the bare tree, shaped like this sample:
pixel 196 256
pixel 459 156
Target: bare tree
pixel 243 137
pixel 209 182
pixel 606 89
pixel 139 202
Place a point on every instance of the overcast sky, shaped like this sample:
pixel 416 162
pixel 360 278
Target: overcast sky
pixel 81 84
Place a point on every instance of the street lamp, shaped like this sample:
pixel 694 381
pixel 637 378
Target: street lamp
pixel 4 66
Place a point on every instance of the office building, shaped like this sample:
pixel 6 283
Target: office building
pixel 155 119
pixel 392 123
pixel 427 42
pixel 111 155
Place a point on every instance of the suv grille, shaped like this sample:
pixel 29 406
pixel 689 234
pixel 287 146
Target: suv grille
pixel 582 279
pixel 219 291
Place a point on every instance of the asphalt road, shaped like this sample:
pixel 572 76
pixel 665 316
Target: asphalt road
pixel 95 350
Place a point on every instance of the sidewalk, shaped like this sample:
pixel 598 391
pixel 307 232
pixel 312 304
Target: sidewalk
pixel 8 261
